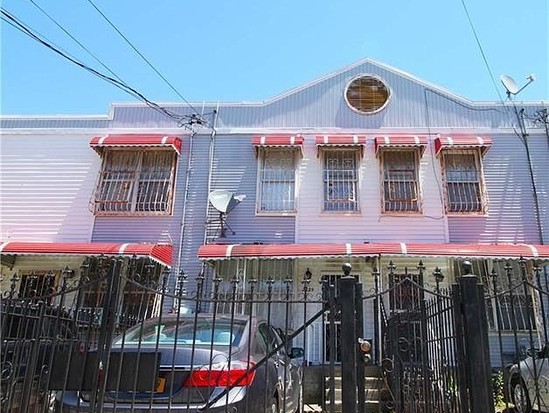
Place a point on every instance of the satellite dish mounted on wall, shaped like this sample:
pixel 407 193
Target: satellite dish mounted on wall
pixel 224 202
pixel 512 87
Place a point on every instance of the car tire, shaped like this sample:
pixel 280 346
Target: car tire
pixel 299 408
pixel 521 398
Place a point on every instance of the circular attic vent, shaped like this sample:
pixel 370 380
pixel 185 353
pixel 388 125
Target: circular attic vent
pixel 367 94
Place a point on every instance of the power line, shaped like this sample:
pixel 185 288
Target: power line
pixel 481 50
pixel 182 120
pixel 76 40
pixel 140 54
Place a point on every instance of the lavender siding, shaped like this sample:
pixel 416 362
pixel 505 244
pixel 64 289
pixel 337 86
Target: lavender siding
pixel 46 185
pixel 235 170
pixel 369 224
pixel 511 212
pixel 153 229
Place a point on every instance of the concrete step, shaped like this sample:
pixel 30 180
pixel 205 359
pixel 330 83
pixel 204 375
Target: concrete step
pixel 369 407
pixel 376 393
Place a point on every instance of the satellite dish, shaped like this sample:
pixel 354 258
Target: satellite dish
pixel 510 85
pixel 224 201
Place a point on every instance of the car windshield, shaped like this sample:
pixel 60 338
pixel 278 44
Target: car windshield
pixel 205 332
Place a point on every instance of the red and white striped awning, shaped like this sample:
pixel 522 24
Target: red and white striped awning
pixel 324 141
pixel 161 253
pixel 215 252
pixel 341 140
pixel 277 140
pixel 136 140
pixel 462 142
pixel 401 142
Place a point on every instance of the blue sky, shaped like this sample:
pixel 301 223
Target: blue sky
pixel 250 50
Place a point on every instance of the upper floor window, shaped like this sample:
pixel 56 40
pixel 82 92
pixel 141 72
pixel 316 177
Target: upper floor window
pixel 277 182
pixel 367 94
pixel 135 182
pixel 400 180
pixel 463 179
pixel 340 180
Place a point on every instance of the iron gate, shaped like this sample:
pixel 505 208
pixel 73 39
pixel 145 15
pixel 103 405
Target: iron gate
pixel 100 342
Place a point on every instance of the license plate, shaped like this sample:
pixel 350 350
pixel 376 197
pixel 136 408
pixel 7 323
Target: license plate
pixel 160 385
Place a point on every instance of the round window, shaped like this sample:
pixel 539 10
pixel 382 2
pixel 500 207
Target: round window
pixel 367 94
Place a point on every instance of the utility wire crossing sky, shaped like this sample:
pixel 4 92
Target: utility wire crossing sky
pixel 93 53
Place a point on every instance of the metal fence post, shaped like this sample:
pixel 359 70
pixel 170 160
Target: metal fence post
pixel 475 343
pixel 348 341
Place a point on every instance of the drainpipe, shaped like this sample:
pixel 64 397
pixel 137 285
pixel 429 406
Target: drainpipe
pixel 524 137
pixel 186 194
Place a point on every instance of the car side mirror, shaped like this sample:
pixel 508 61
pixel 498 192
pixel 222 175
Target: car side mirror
pixel 297 352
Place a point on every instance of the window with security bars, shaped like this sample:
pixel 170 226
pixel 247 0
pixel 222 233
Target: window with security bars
pixel 139 182
pixel 277 180
pixel 509 306
pixel 400 180
pixel 463 177
pixel 340 176
pixel 406 293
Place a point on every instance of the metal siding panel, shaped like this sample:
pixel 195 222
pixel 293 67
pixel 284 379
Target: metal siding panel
pixel 235 169
pixel 369 225
pixel 30 122
pixel 46 186
pixel 153 229
pixel 511 215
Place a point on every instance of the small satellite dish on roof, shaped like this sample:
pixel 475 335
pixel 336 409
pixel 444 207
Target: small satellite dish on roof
pixel 511 86
pixel 224 202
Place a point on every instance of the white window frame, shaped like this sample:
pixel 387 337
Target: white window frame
pixel 401 181
pixel 277 168
pixel 130 188
pixel 471 182
pixel 346 199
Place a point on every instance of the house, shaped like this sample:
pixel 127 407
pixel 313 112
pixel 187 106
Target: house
pixel 368 165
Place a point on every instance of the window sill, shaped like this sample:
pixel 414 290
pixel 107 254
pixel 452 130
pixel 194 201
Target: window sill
pixel 340 213
pixel 467 214
pixel 402 214
pixel 275 214
pixel 132 214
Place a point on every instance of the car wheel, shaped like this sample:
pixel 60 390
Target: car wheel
pixel 520 398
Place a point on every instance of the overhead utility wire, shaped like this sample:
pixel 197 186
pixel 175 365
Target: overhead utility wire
pixel 76 41
pixel 481 49
pixel 19 25
pixel 140 54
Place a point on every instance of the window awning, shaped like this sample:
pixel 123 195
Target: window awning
pixel 341 140
pixel 277 140
pixel 161 253
pixel 401 142
pixel 136 140
pixel 325 141
pixel 462 142
pixel 215 252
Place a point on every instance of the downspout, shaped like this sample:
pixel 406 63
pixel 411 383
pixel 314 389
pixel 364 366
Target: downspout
pixel 524 136
pixel 210 173
pixel 185 199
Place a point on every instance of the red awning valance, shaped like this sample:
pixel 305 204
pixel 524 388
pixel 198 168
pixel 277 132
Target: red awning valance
pixel 462 142
pixel 401 142
pixel 136 140
pixel 158 252
pixel 277 140
pixel 216 252
pixel 341 140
